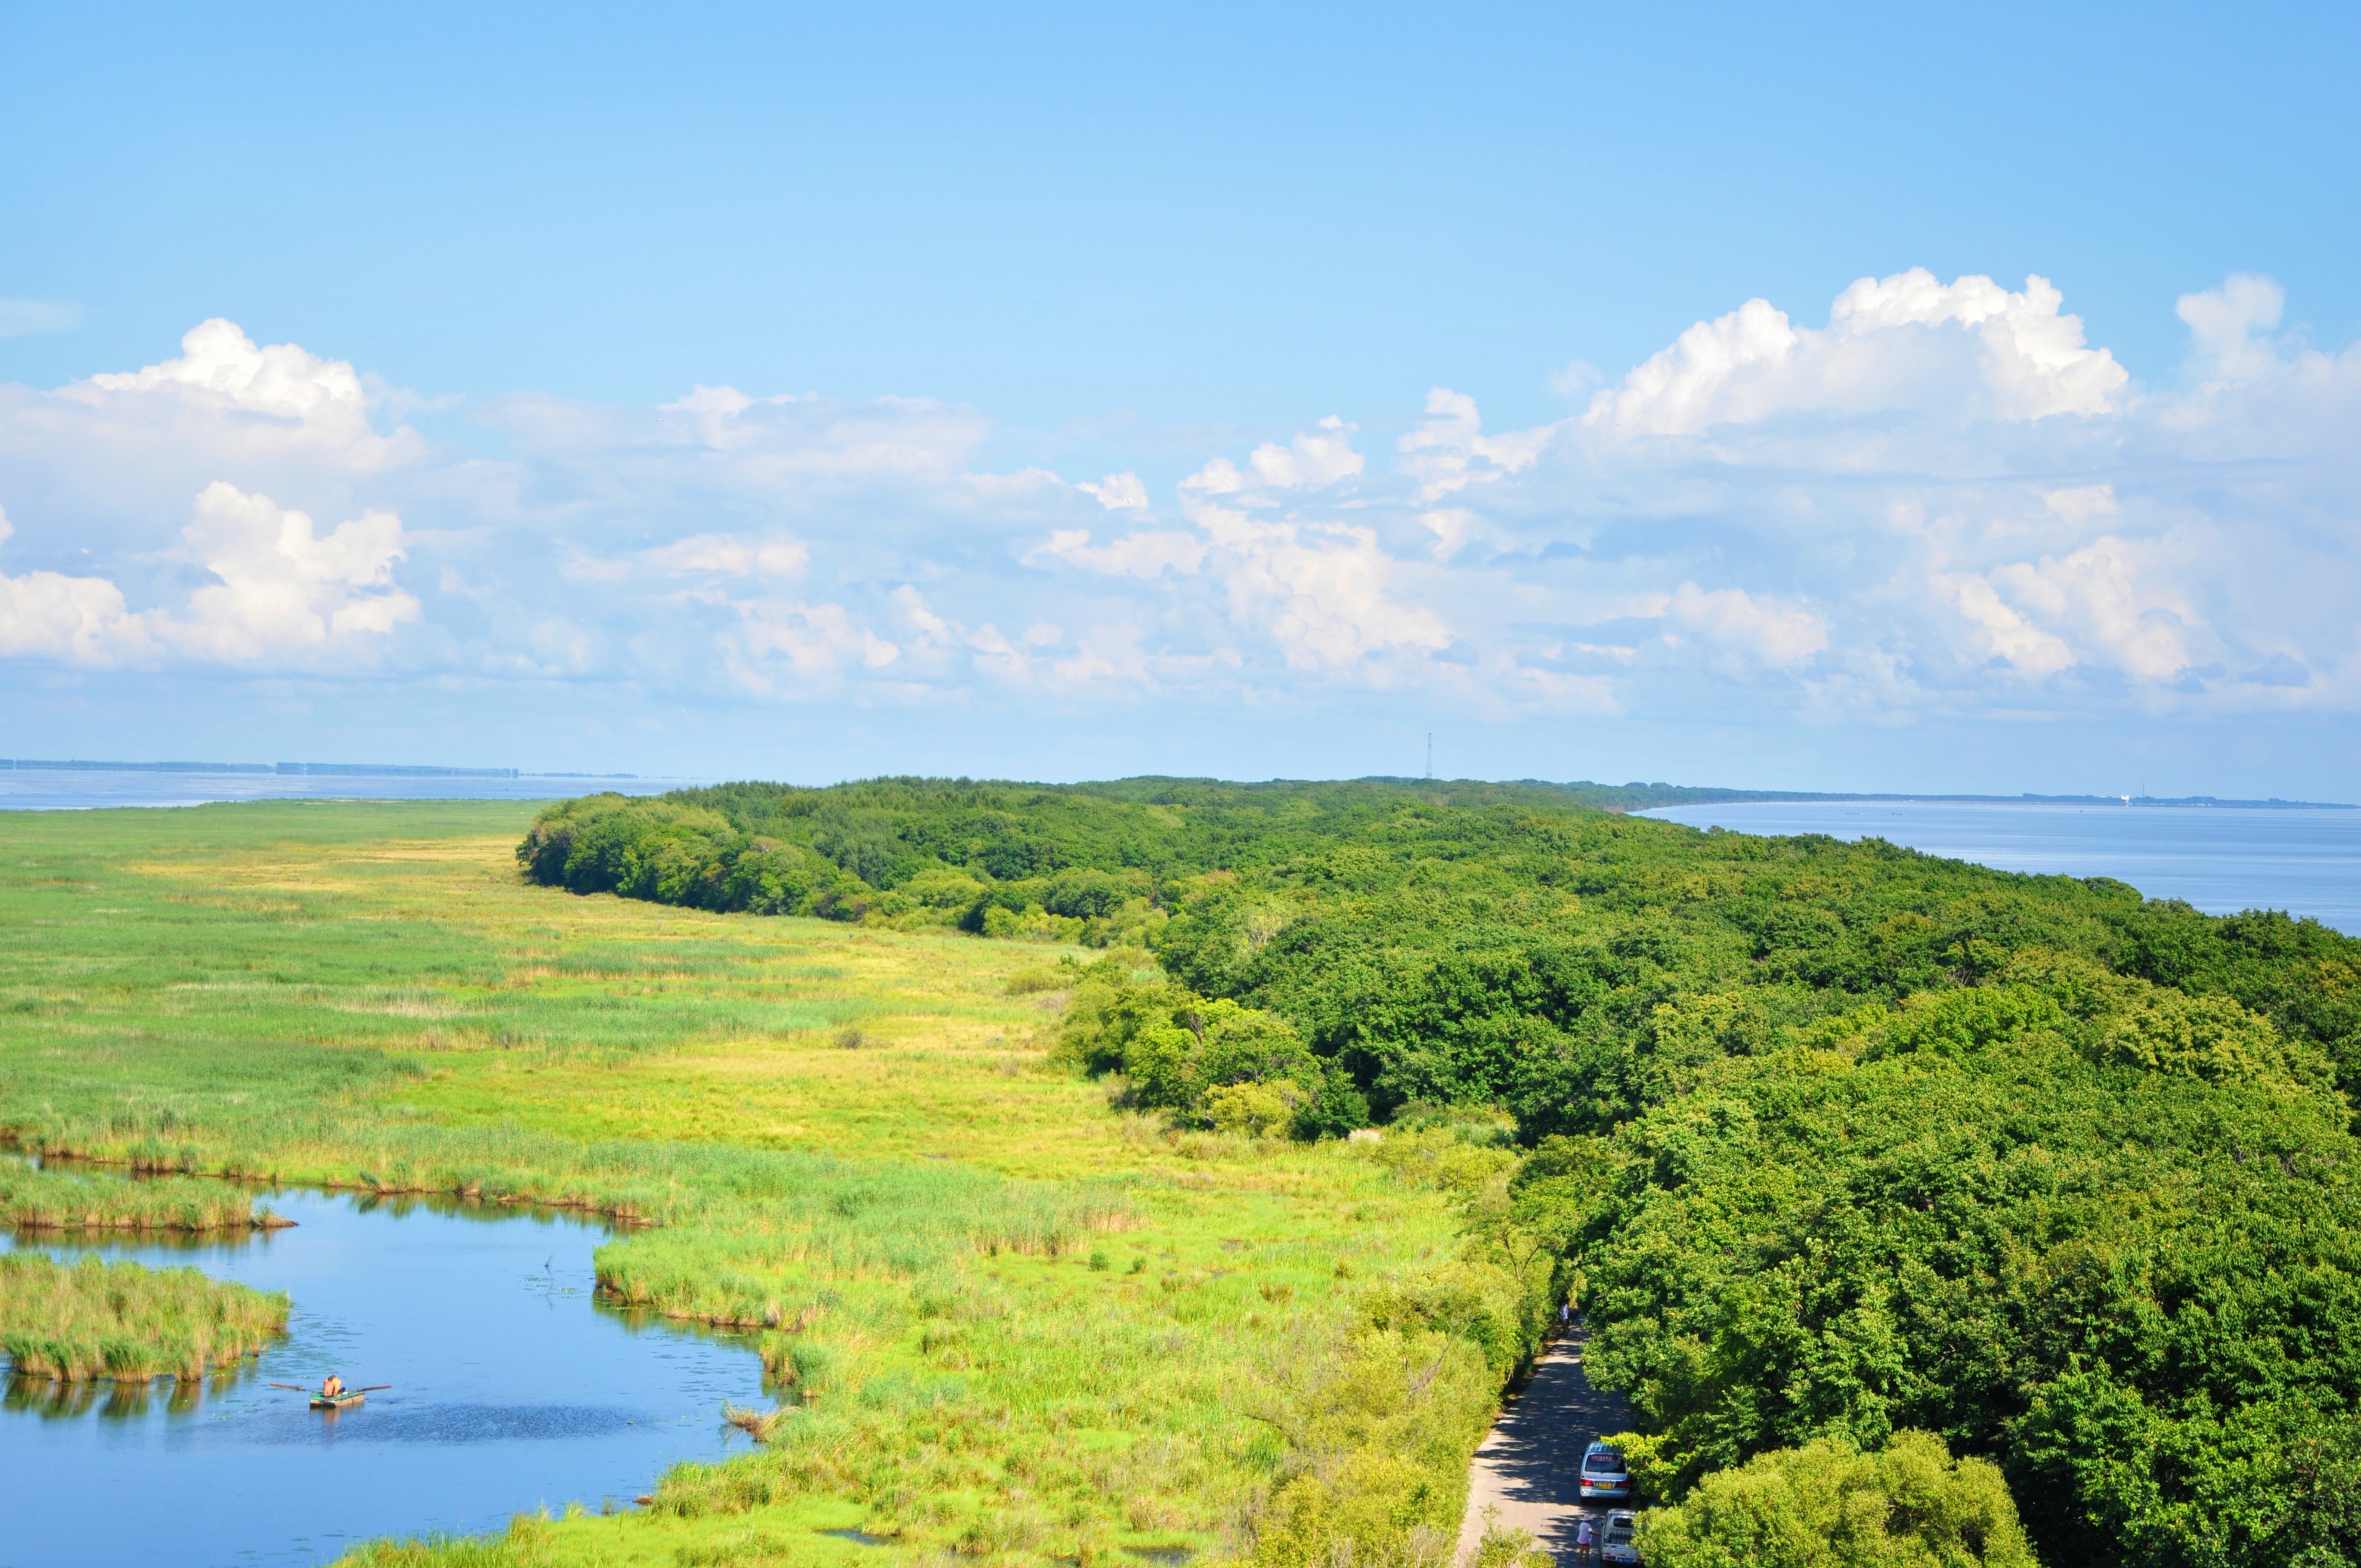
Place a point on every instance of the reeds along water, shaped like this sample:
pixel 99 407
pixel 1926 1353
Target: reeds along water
pixel 741 1237
pixel 37 1199
pixel 95 1320
pixel 729 1234
pixel 758 1424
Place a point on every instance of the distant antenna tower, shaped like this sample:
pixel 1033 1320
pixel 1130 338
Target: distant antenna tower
pixel 1430 754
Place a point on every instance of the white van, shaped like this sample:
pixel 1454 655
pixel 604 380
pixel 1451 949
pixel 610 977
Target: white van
pixel 1603 1475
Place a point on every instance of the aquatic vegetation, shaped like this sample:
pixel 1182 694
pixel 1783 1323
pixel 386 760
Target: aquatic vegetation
pixel 757 1424
pixel 93 1320
pixel 34 1199
pixel 524 1544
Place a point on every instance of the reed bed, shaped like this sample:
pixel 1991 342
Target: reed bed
pixel 524 1544
pixel 834 1214
pixel 94 1320
pixel 49 1199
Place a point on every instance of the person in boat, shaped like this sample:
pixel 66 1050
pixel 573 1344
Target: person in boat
pixel 331 1385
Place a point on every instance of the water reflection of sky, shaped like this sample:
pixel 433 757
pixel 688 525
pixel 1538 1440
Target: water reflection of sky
pixel 2220 859
pixel 512 1389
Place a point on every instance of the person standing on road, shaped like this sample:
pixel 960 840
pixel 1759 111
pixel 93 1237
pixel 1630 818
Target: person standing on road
pixel 1565 1317
pixel 1584 1552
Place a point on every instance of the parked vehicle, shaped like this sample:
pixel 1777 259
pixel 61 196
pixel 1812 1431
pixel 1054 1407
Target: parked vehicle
pixel 1603 1475
pixel 1615 1543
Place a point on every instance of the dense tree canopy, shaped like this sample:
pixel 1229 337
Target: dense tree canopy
pixel 1829 1505
pixel 1841 1140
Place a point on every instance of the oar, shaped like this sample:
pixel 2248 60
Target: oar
pixel 372 1389
pixel 297 1387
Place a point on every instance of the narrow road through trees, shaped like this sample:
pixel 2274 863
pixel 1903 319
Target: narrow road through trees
pixel 1527 1471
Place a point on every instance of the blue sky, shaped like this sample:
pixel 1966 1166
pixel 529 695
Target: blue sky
pixel 1017 330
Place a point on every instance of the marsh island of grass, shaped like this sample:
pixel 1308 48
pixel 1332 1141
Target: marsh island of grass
pixel 91 1320
pixel 36 1198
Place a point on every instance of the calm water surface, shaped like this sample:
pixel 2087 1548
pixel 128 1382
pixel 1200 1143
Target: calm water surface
pixel 512 1389
pixel 2220 860
pixel 59 789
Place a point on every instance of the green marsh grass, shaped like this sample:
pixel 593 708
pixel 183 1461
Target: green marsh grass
pixel 35 1199
pixel 93 1320
pixel 1008 1321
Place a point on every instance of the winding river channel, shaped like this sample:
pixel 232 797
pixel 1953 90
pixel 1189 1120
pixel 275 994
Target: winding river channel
pixel 513 1389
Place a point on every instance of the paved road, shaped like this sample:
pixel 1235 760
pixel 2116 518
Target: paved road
pixel 1526 1470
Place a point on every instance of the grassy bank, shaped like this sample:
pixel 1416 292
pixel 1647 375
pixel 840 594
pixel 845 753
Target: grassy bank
pixel 1011 1319
pixel 95 1320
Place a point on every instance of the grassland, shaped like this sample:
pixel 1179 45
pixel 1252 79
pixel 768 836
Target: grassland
pixel 1009 1321
pixel 94 1320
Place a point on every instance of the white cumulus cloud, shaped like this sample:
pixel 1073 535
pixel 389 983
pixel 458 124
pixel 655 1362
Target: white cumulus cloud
pixel 801 651
pixel 1119 492
pixel 282 586
pixel 1904 342
pixel 2120 612
pixel 1323 592
pixel 1312 459
pixel 1777 633
pixel 82 620
pixel 2227 326
pixel 2001 632
pixel 279 590
pixel 274 397
pixel 1448 450
pixel 1147 554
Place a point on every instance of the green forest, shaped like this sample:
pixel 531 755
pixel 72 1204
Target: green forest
pixel 1840 1144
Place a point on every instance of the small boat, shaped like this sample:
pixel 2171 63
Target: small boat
pixel 344 1400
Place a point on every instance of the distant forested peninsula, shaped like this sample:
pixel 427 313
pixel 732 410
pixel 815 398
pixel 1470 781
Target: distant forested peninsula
pixel 1834 1140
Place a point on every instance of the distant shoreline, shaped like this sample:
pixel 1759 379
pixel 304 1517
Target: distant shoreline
pixel 1637 796
pixel 1626 798
pixel 286 770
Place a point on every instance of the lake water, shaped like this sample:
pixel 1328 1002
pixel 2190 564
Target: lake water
pixel 64 789
pixel 2221 859
pixel 512 1389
